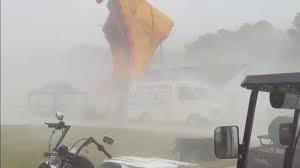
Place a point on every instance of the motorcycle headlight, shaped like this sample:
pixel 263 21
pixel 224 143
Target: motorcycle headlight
pixel 54 162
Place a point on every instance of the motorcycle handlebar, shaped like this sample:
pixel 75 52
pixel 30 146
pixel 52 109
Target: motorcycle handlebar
pixel 107 154
pixel 102 149
pixel 99 146
pixel 51 125
pixel 58 125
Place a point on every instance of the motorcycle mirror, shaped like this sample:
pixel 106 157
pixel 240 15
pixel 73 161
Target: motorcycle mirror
pixel 108 140
pixel 59 116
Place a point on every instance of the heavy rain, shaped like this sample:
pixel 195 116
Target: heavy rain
pixel 155 77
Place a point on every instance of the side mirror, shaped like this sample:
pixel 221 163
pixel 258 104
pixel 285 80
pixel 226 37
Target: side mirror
pixel 108 140
pixel 226 142
pixel 284 133
pixel 59 116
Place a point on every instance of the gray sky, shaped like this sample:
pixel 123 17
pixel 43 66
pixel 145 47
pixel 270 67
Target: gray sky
pixel 41 28
pixel 37 35
pixel 194 17
pixel 64 23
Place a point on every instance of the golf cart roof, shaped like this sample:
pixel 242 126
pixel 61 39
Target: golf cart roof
pixel 285 82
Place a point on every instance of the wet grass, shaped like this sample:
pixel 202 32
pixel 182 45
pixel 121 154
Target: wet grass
pixel 22 146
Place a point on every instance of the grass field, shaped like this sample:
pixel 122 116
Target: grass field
pixel 22 146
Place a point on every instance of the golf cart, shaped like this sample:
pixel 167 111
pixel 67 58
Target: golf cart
pixel 270 152
pixel 284 93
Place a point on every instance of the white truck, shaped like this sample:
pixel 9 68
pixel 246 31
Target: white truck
pixel 189 102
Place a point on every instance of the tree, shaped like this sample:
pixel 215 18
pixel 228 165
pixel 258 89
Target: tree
pixel 294 37
pixel 296 22
pixel 249 41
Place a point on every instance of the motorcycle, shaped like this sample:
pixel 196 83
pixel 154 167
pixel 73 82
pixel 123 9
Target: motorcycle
pixel 62 156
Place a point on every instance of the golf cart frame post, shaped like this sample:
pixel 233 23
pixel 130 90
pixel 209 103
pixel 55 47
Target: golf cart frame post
pixel 244 147
pixel 290 151
pixel 286 85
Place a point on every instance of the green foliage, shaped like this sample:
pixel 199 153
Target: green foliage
pixel 296 22
pixel 250 43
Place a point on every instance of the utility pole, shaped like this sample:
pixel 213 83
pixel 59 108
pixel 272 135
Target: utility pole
pixel 161 54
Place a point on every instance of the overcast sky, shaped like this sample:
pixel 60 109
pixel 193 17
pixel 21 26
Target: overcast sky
pixel 46 30
pixel 68 22
pixel 194 17
pixel 35 29
pixel 37 34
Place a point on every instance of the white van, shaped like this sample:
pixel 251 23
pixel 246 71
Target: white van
pixel 190 102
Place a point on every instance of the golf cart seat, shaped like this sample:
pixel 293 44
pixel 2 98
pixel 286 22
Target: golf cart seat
pixel 262 138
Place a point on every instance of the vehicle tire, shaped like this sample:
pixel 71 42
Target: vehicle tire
pixel 196 120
